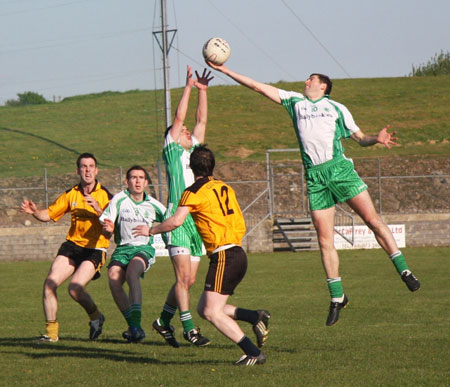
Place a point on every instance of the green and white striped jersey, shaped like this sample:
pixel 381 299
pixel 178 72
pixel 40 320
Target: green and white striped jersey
pixel 179 173
pixel 319 125
pixel 126 214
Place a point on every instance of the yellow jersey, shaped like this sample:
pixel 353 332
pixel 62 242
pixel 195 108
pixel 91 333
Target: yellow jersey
pixel 85 229
pixel 216 212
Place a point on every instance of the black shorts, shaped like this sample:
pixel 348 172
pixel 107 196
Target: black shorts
pixel 226 270
pixel 79 254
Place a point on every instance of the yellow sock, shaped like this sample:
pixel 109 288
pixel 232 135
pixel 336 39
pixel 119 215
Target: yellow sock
pixel 52 329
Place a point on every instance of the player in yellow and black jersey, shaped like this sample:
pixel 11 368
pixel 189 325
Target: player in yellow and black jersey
pixel 216 212
pixel 83 253
pixel 219 221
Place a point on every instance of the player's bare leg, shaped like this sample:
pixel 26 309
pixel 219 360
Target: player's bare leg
pixel 60 270
pixel 213 307
pixel 324 223
pixel 77 290
pixel 362 204
pixel 116 276
pixel 185 272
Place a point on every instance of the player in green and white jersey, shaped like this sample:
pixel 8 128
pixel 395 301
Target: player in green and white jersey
pixel 134 254
pixel 184 244
pixel 320 123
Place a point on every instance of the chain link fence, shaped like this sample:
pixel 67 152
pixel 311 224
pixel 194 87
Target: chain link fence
pixel 281 192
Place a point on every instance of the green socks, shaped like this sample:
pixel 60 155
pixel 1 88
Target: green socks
pixel 335 289
pixel 186 320
pixel 185 317
pixel 167 314
pixel 399 262
pixel 133 315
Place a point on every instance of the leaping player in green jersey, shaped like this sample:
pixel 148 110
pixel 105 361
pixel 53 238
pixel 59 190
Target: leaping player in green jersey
pixel 320 123
pixel 184 243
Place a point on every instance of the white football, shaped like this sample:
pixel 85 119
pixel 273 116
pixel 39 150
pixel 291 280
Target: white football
pixel 216 50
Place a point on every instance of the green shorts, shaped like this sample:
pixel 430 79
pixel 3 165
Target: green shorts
pixel 123 255
pixel 334 181
pixel 185 236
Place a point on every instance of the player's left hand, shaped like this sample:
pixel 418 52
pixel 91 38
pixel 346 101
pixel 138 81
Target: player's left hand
pixel 141 230
pixel 386 138
pixel 202 81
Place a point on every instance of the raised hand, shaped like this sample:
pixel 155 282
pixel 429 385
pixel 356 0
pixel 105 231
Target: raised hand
pixel 189 80
pixel 202 81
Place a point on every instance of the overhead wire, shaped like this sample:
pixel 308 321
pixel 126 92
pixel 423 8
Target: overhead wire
pixel 43 8
pixel 316 38
pixel 270 57
pixel 75 39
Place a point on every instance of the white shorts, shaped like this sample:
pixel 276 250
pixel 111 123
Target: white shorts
pixel 175 250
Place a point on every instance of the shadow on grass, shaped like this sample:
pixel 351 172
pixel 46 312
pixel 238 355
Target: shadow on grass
pixel 24 345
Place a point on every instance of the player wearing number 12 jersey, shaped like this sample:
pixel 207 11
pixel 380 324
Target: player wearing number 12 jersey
pixel 219 221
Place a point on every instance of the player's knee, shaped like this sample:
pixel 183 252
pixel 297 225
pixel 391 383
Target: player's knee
pixel 192 281
pixel 50 285
pixel 206 313
pixel 184 281
pixel 75 290
pixel 326 243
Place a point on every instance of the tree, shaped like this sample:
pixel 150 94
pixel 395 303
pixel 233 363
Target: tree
pixel 27 98
pixel 437 65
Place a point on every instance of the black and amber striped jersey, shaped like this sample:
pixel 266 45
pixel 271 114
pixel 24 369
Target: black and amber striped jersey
pixel 216 212
pixel 85 228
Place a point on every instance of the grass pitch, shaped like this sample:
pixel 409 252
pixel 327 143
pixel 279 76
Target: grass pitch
pixel 387 336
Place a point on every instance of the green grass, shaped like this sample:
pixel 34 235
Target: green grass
pixel 125 128
pixel 387 336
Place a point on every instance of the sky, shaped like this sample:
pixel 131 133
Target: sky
pixel 62 48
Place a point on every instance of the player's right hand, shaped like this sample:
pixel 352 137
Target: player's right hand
pixel 108 225
pixel 28 207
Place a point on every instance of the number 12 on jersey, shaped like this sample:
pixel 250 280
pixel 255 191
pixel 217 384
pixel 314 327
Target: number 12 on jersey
pixel 223 200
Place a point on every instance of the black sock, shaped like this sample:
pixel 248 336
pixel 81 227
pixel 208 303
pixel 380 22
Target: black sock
pixel 248 347
pixel 247 315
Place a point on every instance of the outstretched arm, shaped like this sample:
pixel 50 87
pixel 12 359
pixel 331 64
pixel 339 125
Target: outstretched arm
pixel 201 117
pixel 183 104
pixel 383 137
pixel 29 207
pixel 176 220
pixel 268 91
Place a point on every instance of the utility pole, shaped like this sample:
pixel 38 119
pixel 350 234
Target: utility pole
pixel 165 45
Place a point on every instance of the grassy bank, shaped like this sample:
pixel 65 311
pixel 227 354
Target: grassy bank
pixel 126 128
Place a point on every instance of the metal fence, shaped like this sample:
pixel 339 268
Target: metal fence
pixel 281 192
pixel 391 194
